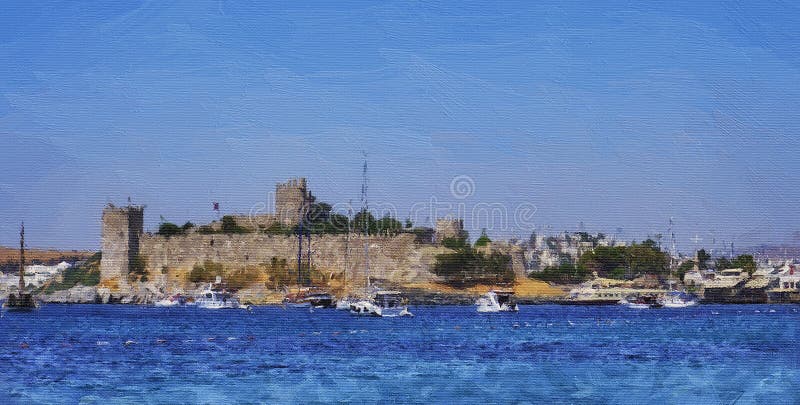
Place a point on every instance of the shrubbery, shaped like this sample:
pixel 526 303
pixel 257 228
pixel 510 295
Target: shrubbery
pixel 467 267
pixel 87 274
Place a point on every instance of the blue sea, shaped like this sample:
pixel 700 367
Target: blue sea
pixel 554 354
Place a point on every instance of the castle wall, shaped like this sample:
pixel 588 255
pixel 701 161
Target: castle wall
pixel 397 258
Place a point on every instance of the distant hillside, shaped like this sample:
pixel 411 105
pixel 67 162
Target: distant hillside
pixel 774 251
pixel 11 255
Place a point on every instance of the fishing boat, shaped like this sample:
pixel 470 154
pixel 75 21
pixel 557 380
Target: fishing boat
pixel 382 303
pixel 497 301
pixel 22 301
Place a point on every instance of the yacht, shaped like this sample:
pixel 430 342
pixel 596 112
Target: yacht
pixel 384 304
pixel 677 299
pixel 214 297
pixel 320 299
pixel 591 293
pixel 497 301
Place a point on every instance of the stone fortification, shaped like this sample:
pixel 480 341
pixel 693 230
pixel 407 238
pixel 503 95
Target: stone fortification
pixel 395 259
pixel 122 232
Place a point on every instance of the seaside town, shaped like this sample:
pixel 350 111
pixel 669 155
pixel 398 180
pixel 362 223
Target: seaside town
pixel 306 254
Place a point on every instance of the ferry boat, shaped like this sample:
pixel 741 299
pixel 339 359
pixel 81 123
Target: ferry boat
pixel 384 304
pixel 605 292
pixel 590 294
pixel 497 301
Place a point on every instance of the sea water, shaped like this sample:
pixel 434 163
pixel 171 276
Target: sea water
pixel 448 354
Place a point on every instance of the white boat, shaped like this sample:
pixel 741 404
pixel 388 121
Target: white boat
pixel 497 301
pixel 677 299
pixel 213 298
pixel 644 301
pixel 172 301
pixel 344 303
pixel 385 304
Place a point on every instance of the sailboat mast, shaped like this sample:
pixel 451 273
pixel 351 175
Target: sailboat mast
pixel 307 276
pixel 365 220
pixel 672 249
pixel 347 243
pixel 22 257
pixel 299 245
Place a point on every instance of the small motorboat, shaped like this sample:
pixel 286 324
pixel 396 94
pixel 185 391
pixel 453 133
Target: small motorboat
pixel 497 301
pixel 386 304
pixel 172 301
pixel 642 302
pixel 216 296
pixel 677 299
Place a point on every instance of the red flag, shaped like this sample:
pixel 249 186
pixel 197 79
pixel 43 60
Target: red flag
pixel 216 206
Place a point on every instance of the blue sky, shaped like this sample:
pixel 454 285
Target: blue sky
pixel 618 116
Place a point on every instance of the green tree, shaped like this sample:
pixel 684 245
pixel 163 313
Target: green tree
pixel 389 226
pixel 745 262
pixel 206 272
pixel 229 225
pixel 647 258
pixel 723 263
pixel 565 273
pixel 187 226
pixel 364 220
pixel 702 259
pixel 605 260
pixel 684 268
pixel 483 240
pixel 169 229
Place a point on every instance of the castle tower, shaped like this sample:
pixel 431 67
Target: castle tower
pixel 449 228
pixel 122 229
pixel 291 198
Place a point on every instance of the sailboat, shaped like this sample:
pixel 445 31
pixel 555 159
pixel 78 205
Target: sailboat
pixel 306 296
pixel 21 301
pixel 344 303
pixel 675 298
pixel 383 303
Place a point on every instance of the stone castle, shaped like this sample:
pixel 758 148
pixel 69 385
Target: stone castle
pixel 402 258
